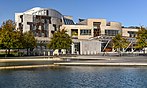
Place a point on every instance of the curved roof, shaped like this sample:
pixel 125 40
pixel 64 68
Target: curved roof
pixel 36 9
pixel 32 10
pixel 42 11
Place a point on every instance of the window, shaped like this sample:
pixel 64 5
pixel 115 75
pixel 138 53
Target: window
pixel 47 12
pixel 96 28
pixel 43 35
pixel 50 20
pixel 74 32
pixel 55 28
pixel 20 26
pixel 108 24
pixel 132 34
pixel 68 21
pixel 45 26
pixel 96 25
pixel 21 17
pixel 111 32
pixel 85 32
pixel 44 12
pixel 46 34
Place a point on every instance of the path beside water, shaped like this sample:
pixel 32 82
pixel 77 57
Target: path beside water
pixel 33 62
pixel 104 61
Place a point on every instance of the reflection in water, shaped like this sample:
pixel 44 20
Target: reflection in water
pixel 75 77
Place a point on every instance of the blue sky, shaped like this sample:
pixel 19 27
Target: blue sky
pixel 128 12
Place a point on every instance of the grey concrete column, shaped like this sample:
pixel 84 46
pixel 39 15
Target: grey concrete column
pixel 81 48
pixel 49 30
pixel 72 48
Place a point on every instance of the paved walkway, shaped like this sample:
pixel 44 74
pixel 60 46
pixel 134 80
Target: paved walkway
pixel 28 62
pixel 28 66
pixel 25 62
pixel 105 61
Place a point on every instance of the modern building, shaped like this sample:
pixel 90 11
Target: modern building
pixel 43 22
pixel 86 30
pixel 90 36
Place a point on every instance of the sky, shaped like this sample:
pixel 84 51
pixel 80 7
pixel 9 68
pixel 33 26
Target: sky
pixel 128 12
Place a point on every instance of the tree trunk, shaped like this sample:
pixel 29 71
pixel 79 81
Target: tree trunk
pixel 66 50
pixel 144 52
pixel 8 51
pixel 60 52
pixel 27 51
pixel 18 52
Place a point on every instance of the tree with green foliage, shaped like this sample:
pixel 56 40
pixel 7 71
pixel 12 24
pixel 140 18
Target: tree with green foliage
pixel 29 41
pixel 119 43
pixel 18 36
pixel 18 41
pixel 60 40
pixel 141 38
pixel 7 35
pixel 14 39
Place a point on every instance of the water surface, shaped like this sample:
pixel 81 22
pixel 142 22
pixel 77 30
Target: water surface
pixel 75 77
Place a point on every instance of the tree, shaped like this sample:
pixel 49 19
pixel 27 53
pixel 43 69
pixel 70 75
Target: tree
pixel 18 43
pixel 29 41
pixel 141 38
pixel 14 39
pixel 18 36
pixel 7 35
pixel 119 42
pixel 60 40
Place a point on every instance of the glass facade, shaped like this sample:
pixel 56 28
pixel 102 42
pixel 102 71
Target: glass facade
pixel 85 32
pixel 96 28
pixel 68 21
pixel 109 32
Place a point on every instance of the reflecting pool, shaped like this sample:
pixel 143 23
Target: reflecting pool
pixel 75 77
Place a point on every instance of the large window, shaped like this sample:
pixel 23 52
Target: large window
pixel 85 32
pixel 96 28
pixel 111 32
pixel 74 32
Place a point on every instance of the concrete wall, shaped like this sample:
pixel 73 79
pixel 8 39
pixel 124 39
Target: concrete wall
pixel 125 31
pixel 114 26
pixel 27 18
pixel 90 47
pixel 17 19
